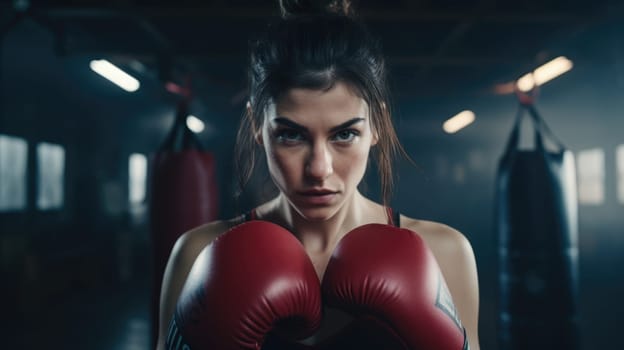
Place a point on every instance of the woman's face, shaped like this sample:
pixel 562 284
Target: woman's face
pixel 317 145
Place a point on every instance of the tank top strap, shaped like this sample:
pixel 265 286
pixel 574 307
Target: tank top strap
pixel 394 217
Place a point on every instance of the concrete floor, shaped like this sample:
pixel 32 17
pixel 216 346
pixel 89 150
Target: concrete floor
pixel 109 318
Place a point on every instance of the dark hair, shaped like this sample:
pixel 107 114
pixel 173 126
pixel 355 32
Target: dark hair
pixel 315 45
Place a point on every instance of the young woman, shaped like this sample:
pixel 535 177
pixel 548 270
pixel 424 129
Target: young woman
pixel 317 109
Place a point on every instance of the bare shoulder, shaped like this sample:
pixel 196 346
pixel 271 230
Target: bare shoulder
pixel 441 239
pixel 191 243
pixel 181 260
pixel 188 247
pixel 451 249
pixel 456 260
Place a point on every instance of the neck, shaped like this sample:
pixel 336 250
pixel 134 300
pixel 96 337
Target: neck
pixel 320 236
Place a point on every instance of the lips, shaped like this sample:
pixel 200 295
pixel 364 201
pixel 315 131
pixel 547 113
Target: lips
pixel 319 192
pixel 318 196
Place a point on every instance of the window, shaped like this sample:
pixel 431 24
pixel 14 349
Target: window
pixel 591 164
pixel 137 178
pixel 50 177
pixel 13 163
pixel 619 161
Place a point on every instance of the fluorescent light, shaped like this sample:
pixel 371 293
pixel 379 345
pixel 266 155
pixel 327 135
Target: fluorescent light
pixel 115 75
pixel 545 73
pixel 526 83
pixel 195 124
pixel 458 122
pixel 552 69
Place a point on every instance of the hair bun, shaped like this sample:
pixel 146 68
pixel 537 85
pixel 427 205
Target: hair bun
pixel 315 7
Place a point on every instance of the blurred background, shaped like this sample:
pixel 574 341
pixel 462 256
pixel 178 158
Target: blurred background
pixel 76 150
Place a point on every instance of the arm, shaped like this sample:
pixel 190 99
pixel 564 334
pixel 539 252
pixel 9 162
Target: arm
pixel 457 263
pixel 182 257
pixel 283 293
pixel 390 275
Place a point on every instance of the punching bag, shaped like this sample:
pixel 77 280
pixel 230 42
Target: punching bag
pixel 183 196
pixel 537 243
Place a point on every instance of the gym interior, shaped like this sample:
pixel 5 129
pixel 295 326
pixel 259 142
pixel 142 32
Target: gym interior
pixel 78 153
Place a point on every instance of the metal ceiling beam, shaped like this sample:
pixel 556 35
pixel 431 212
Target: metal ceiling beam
pixel 458 61
pixel 457 33
pixel 236 56
pixel 262 13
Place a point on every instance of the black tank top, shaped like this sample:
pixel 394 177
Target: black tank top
pixel 394 217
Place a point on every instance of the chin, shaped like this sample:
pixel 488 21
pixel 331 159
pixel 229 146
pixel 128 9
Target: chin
pixel 319 213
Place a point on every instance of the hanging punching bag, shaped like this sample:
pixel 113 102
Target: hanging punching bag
pixel 183 196
pixel 537 243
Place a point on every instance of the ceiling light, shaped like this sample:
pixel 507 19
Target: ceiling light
pixel 526 83
pixel 115 75
pixel 544 73
pixel 458 122
pixel 195 124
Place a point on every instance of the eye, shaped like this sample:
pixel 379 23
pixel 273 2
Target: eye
pixel 288 136
pixel 347 135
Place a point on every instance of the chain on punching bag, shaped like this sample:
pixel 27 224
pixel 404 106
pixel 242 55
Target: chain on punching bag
pixel 537 238
pixel 183 196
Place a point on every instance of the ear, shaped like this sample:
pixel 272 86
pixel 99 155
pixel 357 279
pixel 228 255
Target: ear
pixel 258 137
pixel 375 131
pixel 257 132
pixel 375 138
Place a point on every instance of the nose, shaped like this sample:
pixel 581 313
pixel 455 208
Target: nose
pixel 319 164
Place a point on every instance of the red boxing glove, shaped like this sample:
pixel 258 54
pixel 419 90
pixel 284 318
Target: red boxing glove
pixel 390 275
pixel 251 280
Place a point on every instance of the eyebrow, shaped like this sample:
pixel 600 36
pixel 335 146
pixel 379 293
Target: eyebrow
pixel 289 123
